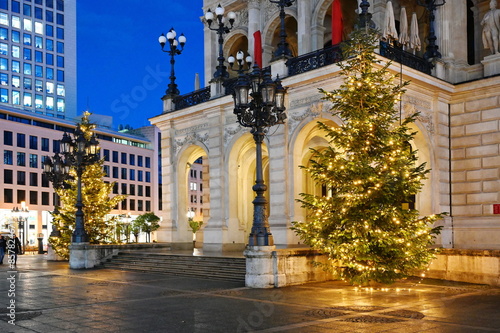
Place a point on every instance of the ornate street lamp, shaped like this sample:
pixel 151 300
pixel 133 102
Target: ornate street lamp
pixel 241 60
pixel 79 152
pixel 173 50
pixel 21 215
pixel 259 104
pixel 431 51
pixel 221 29
pixel 57 172
pixel 283 51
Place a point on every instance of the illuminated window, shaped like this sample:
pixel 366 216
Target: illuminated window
pixel 4 19
pixel 49 103
pixel 16 97
pixel 16 22
pixel 60 90
pixel 27 100
pixel 50 87
pixel 39 28
pixel 38 101
pixel 60 105
pixel 28 25
pixel 16 51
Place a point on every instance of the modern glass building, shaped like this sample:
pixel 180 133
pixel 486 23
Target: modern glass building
pixel 38 56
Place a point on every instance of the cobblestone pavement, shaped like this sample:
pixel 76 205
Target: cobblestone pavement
pixel 49 297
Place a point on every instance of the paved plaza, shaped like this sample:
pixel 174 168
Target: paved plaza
pixel 49 297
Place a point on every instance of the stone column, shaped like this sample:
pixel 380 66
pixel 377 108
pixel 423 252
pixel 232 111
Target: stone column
pixel 259 266
pixel 216 227
pixel 168 225
pixel 304 21
pixel 278 184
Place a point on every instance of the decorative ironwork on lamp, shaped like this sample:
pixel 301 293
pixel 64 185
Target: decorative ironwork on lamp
pixel 173 51
pixel 221 28
pixel 259 103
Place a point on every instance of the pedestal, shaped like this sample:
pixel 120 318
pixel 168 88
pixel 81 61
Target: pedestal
pixel 491 64
pixel 260 266
pixel 52 255
pixel 81 256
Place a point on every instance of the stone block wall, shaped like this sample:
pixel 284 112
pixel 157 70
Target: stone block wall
pixel 475 164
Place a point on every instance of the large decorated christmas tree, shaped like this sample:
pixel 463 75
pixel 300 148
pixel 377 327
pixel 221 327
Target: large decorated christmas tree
pixel 97 201
pixel 366 223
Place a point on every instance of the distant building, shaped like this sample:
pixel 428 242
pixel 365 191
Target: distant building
pixel 26 138
pixel 38 57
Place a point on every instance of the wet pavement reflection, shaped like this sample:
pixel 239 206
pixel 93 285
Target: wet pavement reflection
pixel 41 296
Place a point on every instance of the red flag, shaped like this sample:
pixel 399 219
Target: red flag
pixel 257 48
pixel 337 22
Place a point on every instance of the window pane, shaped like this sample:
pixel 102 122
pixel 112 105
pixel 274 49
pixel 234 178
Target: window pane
pixel 16 36
pixel 16 97
pixel 28 26
pixel 16 51
pixel 4 79
pixel 61 107
pixel 8 157
pixel 39 28
pixel 26 39
pixel 27 83
pixel 27 101
pixel 38 101
pixel 4 33
pixel 4 95
pixel 39 42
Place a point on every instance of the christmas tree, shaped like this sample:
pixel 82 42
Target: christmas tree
pixel 96 200
pixel 365 224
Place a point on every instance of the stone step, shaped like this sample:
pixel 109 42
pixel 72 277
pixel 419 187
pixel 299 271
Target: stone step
pixel 225 268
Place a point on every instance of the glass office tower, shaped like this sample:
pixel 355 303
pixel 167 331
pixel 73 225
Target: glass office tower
pixel 38 56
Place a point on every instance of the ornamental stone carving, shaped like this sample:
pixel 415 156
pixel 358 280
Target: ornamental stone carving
pixel 230 131
pixel 314 111
pixel 190 138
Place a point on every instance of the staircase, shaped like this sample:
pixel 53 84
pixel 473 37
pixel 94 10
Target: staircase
pixel 221 268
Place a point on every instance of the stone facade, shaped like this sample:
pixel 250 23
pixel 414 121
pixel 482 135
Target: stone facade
pixel 457 130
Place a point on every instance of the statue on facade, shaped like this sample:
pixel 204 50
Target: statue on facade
pixel 491 28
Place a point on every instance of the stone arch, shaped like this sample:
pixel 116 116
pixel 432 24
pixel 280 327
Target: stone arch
pixel 241 177
pixel 308 135
pixel 186 156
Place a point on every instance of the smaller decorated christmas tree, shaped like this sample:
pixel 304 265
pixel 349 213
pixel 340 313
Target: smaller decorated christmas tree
pixel 96 200
pixel 365 224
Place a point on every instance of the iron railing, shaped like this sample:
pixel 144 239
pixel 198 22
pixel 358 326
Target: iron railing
pixel 314 60
pixel 405 58
pixel 309 62
pixel 193 98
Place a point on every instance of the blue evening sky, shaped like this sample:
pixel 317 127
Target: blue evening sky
pixel 122 71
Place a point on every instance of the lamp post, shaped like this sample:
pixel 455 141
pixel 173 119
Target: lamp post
pixel 21 214
pixel 283 51
pixel 431 51
pixel 221 28
pixel 57 172
pixel 259 104
pixel 79 152
pixel 365 18
pixel 241 60
pixel 173 50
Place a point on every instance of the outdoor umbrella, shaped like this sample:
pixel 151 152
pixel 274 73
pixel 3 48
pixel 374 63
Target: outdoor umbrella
pixel 389 31
pixel 404 38
pixel 414 38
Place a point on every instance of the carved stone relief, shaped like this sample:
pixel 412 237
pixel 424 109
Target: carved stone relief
pixel 190 138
